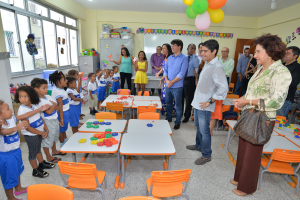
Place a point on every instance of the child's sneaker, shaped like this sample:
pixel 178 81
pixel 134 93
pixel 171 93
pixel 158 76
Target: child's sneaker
pixel 38 172
pixel 46 165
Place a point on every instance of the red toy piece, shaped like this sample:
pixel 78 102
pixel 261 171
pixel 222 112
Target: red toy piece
pixel 100 144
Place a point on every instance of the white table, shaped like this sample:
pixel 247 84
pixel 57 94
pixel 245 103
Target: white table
pixel 146 98
pixel 139 126
pixel 279 142
pixel 146 144
pixel 286 131
pixel 116 126
pixel 73 146
pixel 129 100
pixel 294 140
pixel 113 96
pixel 135 104
pixel 152 82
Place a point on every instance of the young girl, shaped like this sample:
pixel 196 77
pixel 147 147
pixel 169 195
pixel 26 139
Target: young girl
pixel 115 79
pixel 59 80
pixel 102 83
pixel 11 164
pixel 141 68
pixel 92 87
pixel 36 130
pixel 74 100
pixel 109 82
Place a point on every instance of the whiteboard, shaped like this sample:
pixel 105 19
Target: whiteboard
pixel 151 41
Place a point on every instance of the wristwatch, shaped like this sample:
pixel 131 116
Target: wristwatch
pixel 210 101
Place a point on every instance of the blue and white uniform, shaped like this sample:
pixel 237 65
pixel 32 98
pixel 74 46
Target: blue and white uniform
pixel 109 81
pixel 102 83
pixel 75 107
pixel 61 93
pixel 115 85
pixel 92 87
pixel 81 95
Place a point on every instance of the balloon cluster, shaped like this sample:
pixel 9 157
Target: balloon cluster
pixel 205 11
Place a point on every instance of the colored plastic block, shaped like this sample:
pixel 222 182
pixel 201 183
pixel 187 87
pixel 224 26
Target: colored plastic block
pixel 108 130
pixel 94 138
pixel 89 123
pixel 100 120
pixel 94 141
pixel 96 126
pixel 297 136
pixel 291 125
pixel 89 126
pixel 114 134
pixel 82 140
pixel 108 123
pixel 149 125
pixel 100 144
pixel 279 128
pixel 108 135
pixel 102 123
pixel 280 125
pixel 95 122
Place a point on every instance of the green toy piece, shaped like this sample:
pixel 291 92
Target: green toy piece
pixel 89 126
pixel 108 130
pixel 108 135
pixel 94 138
pixel 89 123
pixel 96 126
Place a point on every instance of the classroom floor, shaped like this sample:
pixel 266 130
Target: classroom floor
pixel 210 181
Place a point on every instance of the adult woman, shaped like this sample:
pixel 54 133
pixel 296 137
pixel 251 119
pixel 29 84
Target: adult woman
pixel 270 82
pixel 126 67
pixel 251 69
pixel 167 51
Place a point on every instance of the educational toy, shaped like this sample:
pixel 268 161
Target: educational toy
pixel 89 126
pixel 82 140
pixel 100 120
pixel 149 125
pixel 94 138
pixel 96 126
pixel 108 130
pixel 94 141
pixel 108 135
pixel 114 134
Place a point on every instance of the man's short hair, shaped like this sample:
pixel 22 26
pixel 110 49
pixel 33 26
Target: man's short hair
pixel 178 43
pixel 159 47
pixel 200 44
pixel 246 49
pixel 212 45
pixel 191 44
pixel 296 50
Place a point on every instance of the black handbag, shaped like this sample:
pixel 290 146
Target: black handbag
pixel 254 125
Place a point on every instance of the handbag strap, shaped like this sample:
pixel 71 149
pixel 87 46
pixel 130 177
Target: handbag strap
pixel 262 104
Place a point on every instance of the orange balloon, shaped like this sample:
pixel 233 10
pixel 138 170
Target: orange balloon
pixel 216 4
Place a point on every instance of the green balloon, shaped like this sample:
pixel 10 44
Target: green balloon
pixel 190 13
pixel 200 6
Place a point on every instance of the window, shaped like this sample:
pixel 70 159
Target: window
pixel 50 40
pixel 36 29
pixel 9 41
pixel 63 46
pixel 17 3
pixel 74 49
pixel 56 16
pixel 70 21
pixel 36 8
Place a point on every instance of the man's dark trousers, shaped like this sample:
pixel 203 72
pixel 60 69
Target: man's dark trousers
pixel 189 88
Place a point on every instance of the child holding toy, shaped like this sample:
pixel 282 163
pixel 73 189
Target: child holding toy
pixel 141 67
pixel 116 80
pixel 102 83
pixel 92 88
pixel 74 100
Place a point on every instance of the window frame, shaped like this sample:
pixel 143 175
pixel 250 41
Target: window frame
pixel 25 12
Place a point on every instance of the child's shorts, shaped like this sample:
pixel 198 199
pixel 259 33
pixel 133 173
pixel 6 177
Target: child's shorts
pixel 74 112
pixel 53 135
pixel 107 90
pixel 34 145
pixel 115 86
pixel 66 121
pixel 93 103
pixel 101 93
pixel 11 167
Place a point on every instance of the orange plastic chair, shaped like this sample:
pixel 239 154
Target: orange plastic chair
pixel 142 109
pixel 279 162
pixel 82 176
pixel 123 92
pixel 231 87
pixel 168 183
pixel 105 115
pixel 139 198
pixel 146 93
pixel 233 96
pixel 48 192
pixel 149 115
pixel 116 107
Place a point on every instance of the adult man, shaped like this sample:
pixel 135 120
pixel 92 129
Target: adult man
pixel 189 82
pixel 200 60
pixel 290 59
pixel 227 62
pixel 156 60
pixel 212 86
pixel 174 73
pixel 241 69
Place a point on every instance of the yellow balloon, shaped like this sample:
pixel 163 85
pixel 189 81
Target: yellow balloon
pixel 188 2
pixel 216 15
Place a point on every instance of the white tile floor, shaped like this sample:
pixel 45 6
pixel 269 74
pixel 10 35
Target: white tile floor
pixel 210 181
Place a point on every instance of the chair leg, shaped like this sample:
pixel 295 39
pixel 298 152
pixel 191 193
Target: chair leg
pixel 260 179
pixel 297 187
pixel 187 196
pixel 105 182
pixel 102 192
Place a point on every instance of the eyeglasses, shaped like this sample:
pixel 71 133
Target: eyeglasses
pixel 224 51
pixel 158 49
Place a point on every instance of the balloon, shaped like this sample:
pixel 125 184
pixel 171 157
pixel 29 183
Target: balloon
pixel 216 15
pixel 202 22
pixel 216 4
pixel 200 6
pixel 190 13
pixel 188 2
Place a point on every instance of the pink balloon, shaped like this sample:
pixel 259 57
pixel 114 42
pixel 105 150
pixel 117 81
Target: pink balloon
pixel 202 22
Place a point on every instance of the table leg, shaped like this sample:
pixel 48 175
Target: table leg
pixel 169 163
pixel 119 171
pixel 227 145
pixel 74 157
pixel 123 173
pixel 84 157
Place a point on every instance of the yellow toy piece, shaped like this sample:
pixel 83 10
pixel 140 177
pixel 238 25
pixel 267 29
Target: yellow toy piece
pixel 291 125
pixel 94 141
pixel 101 140
pixel 82 140
pixel 100 120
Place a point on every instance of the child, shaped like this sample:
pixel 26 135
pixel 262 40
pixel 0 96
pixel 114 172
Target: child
pixel 109 82
pixel 92 88
pixel 60 95
pixel 36 130
pixel 75 107
pixel 102 83
pixel 11 164
pixel 116 78
pixel 50 118
pixel 141 68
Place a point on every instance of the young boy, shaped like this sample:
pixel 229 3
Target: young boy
pixel 115 79
pixel 92 88
pixel 109 82
pixel 50 117
pixel 102 83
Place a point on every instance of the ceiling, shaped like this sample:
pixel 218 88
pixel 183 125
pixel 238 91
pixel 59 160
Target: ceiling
pixel 245 8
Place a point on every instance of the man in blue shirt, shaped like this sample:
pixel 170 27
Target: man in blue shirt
pixel 241 69
pixel 174 73
pixel 189 85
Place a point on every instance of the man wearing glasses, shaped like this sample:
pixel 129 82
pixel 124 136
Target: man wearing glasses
pixel 156 61
pixel 227 62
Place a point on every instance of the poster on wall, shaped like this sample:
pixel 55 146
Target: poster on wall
pixel 63 41
pixel 62 50
pixel 58 40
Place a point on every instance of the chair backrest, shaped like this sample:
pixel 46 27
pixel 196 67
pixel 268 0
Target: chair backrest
pixel 83 170
pixel 114 106
pixel 123 92
pixel 105 115
pixel 139 198
pixel 48 192
pixel 144 93
pixel 285 155
pixel 231 85
pixel 233 96
pixel 149 115
pixel 142 109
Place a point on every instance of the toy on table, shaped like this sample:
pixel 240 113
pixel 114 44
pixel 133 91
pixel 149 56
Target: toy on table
pixel 149 125
pixel 108 123
pixel 96 122
pixel 114 134
pixel 100 120
pixel 117 101
pixel 82 140
pixel 108 130
pixel 94 141
pixel 280 126
pixel 153 104
pixel 89 123
pixel 96 126
pixel 102 123
pixel 89 126
pixel 297 132
pixel 94 138
pixel 108 135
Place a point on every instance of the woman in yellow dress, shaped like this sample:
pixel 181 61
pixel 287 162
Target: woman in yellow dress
pixel 141 67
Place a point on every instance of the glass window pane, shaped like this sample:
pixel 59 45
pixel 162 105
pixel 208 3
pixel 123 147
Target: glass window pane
pixel 70 21
pixel 50 40
pixel 74 49
pixel 24 32
pixel 36 8
pixel 56 16
pixel 63 46
pixel 36 29
pixel 11 39
pixel 17 3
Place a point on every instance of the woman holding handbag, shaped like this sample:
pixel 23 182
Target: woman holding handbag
pixel 268 86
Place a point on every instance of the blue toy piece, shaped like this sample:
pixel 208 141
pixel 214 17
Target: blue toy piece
pixel 297 136
pixel 108 123
pixel 149 125
pixel 280 125
pixel 95 122
pixel 114 134
pixel 102 123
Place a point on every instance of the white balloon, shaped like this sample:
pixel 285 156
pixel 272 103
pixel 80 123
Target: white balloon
pixel 202 22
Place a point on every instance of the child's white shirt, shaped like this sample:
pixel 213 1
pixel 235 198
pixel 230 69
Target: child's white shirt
pixel 102 82
pixel 116 76
pixel 12 141
pixel 47 100
pixel 57 93
pixel 92 87
pixel 76 95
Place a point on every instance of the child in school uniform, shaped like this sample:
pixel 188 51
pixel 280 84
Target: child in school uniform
pixel 115 79
pixel 35 132
pixel 141 67
pixel 93 98
pixel 60 95
pixel 109 82
pixel 102 83
pixel 11 164
pixel 50 118
pixel 74 101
